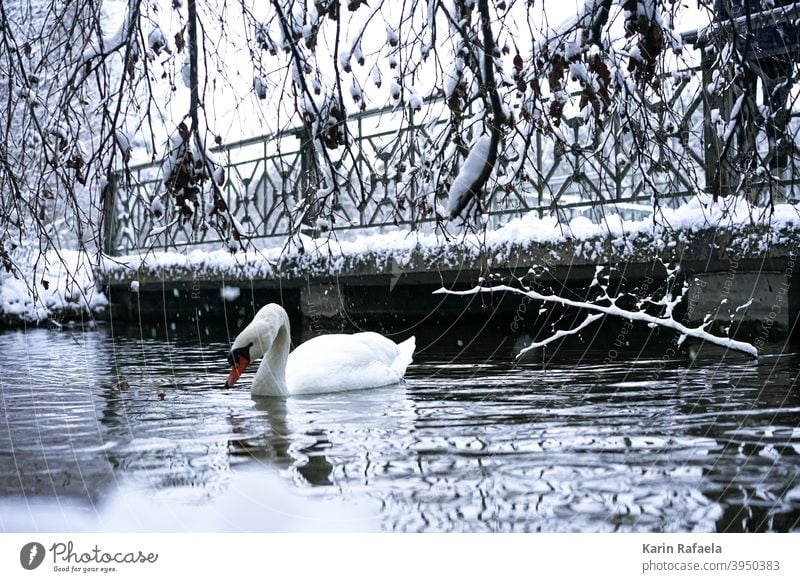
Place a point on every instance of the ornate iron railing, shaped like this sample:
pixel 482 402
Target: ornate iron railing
pixel 583 172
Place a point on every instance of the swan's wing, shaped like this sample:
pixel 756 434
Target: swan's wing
pixel 336 362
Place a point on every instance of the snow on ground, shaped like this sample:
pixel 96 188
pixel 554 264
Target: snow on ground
pixel 62 282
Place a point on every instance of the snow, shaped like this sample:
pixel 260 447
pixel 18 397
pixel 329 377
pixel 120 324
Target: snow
pixel 321 258
pixel 123 140
pixel 394 88
pixel 157 40
pixel 470 170
pixel 344 58
pixel 582 228
pixel 391 35
pixel 578 72
pixel 156 206
pixel 521 230
pixel 70 288
pixel 219 175
pixel 450 83
pixel 414 100
pixel 358 55
pixel 260 87
pixel 571 50
pixel 355 91
pixel 667 321
pixel 230 293
pixel 376 76
pixel 255 501
pixel 239 227
pixel 560 333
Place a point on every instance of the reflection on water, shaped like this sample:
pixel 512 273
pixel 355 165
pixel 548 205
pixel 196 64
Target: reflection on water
pixel 465 445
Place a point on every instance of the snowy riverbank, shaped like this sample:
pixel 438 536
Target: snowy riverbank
pixel 59 284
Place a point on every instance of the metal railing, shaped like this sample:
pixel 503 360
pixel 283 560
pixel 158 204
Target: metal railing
pixel 582 172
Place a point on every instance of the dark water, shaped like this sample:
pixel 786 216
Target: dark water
pixel 103 430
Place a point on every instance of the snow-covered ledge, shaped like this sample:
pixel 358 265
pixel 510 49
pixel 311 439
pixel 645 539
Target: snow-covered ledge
pixel 732 254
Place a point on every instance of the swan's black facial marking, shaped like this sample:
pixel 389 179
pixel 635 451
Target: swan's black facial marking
pixel 239 359
pixel 243 352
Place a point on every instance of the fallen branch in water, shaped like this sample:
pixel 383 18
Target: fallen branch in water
pixel 668 322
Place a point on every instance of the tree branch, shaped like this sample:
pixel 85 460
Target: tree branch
pixel 490 97
pixel 668 322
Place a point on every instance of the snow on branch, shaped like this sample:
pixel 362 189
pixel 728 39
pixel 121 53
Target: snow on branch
pixel 668 322
pixel 481 160
pixel 591 318
pixel 463 187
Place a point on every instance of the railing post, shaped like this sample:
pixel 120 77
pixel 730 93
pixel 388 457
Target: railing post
pixel 576 169
pixel 618 168
pixel 359 169
pixel 109 195
pixel 266 192
pixel 308 175
pixel 412 159
pixel 539 173
pixel 717 162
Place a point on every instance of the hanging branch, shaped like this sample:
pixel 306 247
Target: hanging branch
pixel 194 103
pixel 483 153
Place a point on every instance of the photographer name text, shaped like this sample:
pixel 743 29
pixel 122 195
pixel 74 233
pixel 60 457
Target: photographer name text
pixel 694 548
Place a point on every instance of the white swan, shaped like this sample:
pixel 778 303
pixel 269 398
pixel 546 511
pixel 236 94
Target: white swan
pixel 328 363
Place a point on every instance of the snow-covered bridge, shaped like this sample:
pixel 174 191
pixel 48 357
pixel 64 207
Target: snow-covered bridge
pixel 735 271
pixel 558 203
pixel 698 129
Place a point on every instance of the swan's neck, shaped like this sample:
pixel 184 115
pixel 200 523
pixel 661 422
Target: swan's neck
pixel 271 376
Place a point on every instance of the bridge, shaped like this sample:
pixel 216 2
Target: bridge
pixel 175 268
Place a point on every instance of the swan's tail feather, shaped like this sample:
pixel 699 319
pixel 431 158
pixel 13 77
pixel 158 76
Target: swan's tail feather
pixel 405 355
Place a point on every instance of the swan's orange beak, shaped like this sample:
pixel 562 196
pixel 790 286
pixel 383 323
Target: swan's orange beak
pixel 236 371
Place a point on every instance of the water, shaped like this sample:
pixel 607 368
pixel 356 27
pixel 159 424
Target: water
pixel 116 431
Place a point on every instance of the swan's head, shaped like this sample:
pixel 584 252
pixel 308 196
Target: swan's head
pixel 239 358
pixel 255 340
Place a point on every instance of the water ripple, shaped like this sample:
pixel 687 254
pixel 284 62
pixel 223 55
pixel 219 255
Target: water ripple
pixel 465 445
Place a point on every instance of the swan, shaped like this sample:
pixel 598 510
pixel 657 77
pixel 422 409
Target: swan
pixel 327 363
